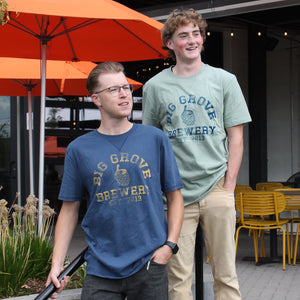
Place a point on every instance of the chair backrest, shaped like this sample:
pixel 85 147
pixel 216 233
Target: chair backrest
pixel 242 188
pixel 268 186
pixel 292 196
pixel 260 203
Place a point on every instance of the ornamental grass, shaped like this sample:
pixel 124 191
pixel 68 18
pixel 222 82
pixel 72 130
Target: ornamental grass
pixel 24 253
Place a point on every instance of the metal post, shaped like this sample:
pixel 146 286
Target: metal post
pixel 42 139
pixel 19 180
pixel 30 143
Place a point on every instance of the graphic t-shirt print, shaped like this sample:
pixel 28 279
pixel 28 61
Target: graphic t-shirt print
pixel 124 190
pixel 194 112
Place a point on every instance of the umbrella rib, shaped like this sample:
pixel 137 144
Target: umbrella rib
pixel 49 36
pixel 59 24
pixel 70 43
pixel 56 86
pixel 137 37
pixel 78 26
pixel 23 28
pixel 28 84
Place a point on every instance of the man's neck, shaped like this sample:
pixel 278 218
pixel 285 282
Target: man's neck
pixel 185 69
pixel 114 127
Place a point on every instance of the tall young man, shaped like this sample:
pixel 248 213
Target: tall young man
pixel 202 110
pixel 123 168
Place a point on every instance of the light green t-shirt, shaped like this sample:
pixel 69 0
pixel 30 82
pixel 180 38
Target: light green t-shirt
pixel 194 112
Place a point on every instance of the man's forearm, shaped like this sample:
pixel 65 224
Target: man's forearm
pixel 65 226
pixel 235 148
pixel 175 215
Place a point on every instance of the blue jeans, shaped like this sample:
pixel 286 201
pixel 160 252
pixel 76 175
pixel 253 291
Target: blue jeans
pixel 150 283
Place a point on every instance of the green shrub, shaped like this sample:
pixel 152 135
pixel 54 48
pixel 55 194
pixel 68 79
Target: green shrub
pixel 24 253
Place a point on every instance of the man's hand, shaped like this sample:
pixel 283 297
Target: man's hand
pixel 162 255
pixel 52 277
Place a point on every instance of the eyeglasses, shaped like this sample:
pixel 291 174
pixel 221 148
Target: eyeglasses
pixel 115 90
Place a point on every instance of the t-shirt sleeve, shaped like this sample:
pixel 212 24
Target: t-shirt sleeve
pixel 150 114
pixel 235 107
pixel 170 177
pixel 71 188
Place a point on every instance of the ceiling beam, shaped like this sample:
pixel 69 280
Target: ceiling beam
pixel 217 8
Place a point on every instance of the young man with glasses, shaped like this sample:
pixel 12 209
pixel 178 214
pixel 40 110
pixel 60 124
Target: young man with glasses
pixel 202 110
pixel 123 168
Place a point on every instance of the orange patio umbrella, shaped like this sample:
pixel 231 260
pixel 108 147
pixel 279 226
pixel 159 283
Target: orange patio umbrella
pixel 21 77
pixel 90 30
pixel 18 76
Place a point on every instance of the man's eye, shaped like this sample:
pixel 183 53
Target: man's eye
pixel 126 87
pixel 114 89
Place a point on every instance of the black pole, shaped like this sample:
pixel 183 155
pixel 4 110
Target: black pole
pixel 258 160
pixel 199 264
pixel 68 271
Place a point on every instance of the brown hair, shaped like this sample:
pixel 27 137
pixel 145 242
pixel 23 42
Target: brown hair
pixel 177 18
pixel 92 82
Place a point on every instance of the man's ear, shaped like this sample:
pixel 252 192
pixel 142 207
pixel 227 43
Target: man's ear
pixel 96 100
pixel 169 44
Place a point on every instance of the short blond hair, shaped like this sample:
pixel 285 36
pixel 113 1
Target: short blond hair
pixel 92 82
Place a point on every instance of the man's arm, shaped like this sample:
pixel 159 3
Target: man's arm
pixel 175 218
pixel 175 214
pixel 235 149
pixel 65 226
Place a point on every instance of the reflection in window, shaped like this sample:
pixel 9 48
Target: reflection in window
pixel 5 150
pixel 4 117
pixel 57 117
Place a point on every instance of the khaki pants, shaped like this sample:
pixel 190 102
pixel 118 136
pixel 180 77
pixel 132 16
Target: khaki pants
pixel 216 214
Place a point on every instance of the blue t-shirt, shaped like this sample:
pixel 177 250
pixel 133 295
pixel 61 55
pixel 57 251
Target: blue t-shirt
pixel 123 176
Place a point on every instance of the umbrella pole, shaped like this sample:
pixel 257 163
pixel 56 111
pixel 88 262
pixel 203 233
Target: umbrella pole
pixel 30 145
pixel 42 138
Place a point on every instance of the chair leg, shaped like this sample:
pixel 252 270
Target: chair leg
pixel 283 248
pixel 255 241
pixel 262 246
pixel 288 243
pixel 237 238
pixel 291 241
pixel 296 245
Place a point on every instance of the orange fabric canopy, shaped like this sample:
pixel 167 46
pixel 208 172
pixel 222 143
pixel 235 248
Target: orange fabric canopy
pixel 73 30
pixel 17 75
pixel 93 30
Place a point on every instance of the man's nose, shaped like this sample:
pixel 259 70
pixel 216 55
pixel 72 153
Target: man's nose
pixel 191 38
pixel 122 92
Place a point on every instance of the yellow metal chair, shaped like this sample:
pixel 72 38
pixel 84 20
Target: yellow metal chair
pixel 296 245
pixel 241 188
pixel 268 186
pixel 292 196
pixel 256 208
